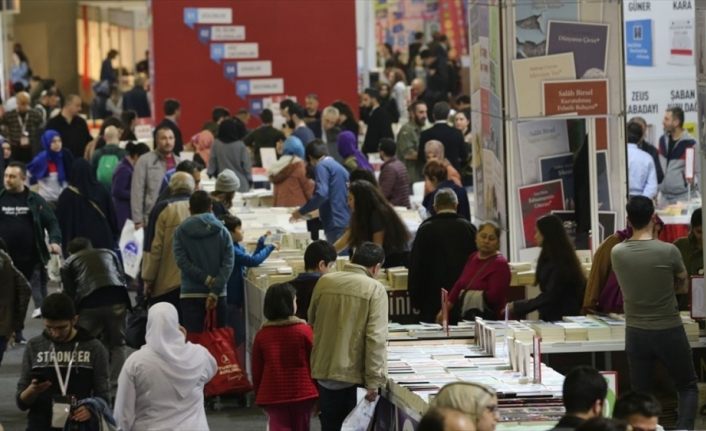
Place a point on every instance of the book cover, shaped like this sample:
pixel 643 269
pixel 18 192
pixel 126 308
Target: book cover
pixel 537 200
pixel 588 43
pixel 638 43
pixel 559 167
pixel 528 75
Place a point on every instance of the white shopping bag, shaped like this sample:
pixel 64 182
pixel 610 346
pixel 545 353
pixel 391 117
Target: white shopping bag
pixel 360 417
pixel 54 267
pixel 131 248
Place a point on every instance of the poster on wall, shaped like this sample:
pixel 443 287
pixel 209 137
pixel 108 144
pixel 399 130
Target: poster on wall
pixel 681 50
pixel 559 167
pixel 638 42
pixel 588 43
pixel 537 200
pixel 530 73
pixel 531 23
pixel 537 139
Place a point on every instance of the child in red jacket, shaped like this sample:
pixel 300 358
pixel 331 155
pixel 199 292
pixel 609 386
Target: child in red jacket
pixel 280 363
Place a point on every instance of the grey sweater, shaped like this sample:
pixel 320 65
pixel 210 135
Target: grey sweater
pixel 89 373
pixel 233 156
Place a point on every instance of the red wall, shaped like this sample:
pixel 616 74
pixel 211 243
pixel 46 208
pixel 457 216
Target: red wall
pixel 312 45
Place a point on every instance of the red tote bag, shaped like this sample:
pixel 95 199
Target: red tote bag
pixel 230 378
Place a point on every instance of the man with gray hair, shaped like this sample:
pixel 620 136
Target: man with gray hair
pixel 160 273
pixel 327 130
pixel 441 247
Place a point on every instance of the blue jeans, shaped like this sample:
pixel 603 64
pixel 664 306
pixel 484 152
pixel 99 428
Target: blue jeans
pixel 670 347
pixel 335 406
pixel 194 313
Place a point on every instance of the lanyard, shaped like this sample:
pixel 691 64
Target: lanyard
pixel 23 125
pixel 63 384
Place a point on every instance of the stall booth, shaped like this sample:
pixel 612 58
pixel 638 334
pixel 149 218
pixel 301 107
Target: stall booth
pixel 547 102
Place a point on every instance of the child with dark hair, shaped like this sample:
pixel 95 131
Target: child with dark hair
pixel 235 299
pixel 283 348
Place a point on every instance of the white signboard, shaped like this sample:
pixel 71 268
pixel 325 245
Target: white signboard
pixel 227 32
pixel 248 69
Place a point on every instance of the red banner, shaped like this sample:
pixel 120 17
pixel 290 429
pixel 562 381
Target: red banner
pixel 451 16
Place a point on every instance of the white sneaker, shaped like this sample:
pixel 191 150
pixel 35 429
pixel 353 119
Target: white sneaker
pixel 37 313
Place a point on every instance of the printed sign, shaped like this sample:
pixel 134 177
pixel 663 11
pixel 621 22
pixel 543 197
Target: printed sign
pixel 638 42
pixel 579 97
pixel 207 15
pixel 220 51
pixel 247 87
pixel 247 69
pixel 221 33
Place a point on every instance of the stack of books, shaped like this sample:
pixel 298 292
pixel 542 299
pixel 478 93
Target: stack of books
pixel 520 331
pixel 615 323
pixel 397 277
pixel 550 332
pixel 691 327
pixel 574 331
pixel 595 330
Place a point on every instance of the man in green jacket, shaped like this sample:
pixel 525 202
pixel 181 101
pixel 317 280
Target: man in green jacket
pixel 408 139
pixel 24 218
pixel 348 312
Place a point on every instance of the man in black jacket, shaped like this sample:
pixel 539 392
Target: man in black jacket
pixel 439 252
pixel 136 99
pixel 94 279
pixel 379 122
pixel 583 394
pixel 455 147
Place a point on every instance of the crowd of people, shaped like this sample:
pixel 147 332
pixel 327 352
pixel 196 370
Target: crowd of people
pixel 68 194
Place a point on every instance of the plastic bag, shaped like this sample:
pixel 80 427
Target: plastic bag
pixel 230 378
pixel 54 267
pixel 131 248
pixel 361 416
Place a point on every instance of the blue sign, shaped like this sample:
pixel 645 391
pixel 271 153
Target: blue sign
pixel 191 16
pixel 256 106
pixel 638 42
pixel 242 88
pixel 230 70
pixel 217 52
pixel 204 34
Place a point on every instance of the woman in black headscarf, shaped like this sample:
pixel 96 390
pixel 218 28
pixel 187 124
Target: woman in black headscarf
pixel 85 209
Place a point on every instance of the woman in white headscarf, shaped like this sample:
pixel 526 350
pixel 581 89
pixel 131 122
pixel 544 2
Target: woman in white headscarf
pixel 161 385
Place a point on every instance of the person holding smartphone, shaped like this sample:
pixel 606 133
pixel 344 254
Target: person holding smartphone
pixel 50 383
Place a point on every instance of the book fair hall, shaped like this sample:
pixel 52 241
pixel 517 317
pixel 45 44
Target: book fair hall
pixel 352 215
